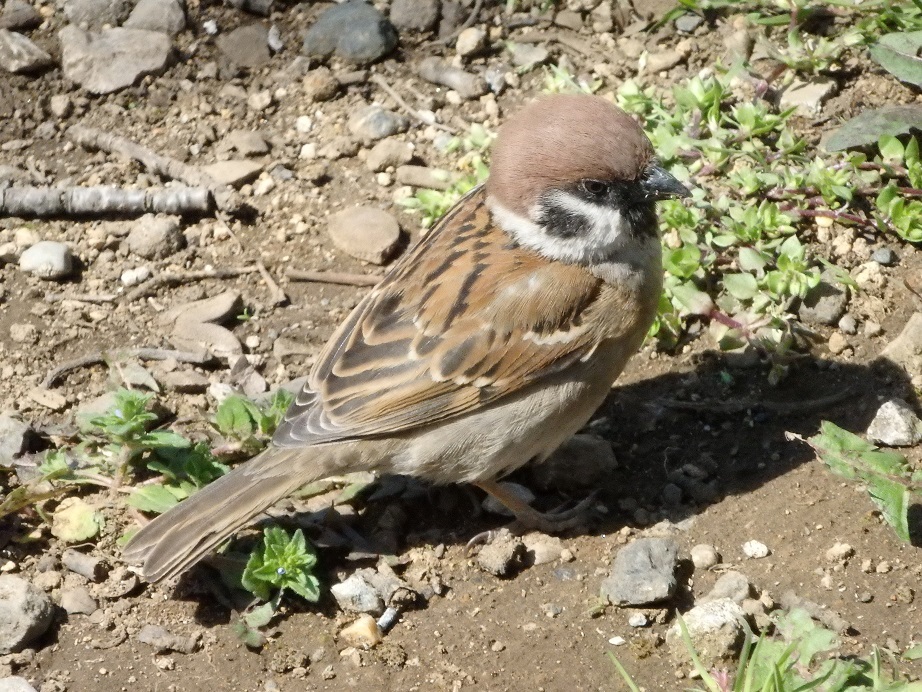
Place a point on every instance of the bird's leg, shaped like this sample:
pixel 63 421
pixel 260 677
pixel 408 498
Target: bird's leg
pixel 527 518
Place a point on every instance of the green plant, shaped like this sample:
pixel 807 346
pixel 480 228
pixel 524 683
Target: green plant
pixel 182 472
pixel 248 425
pixel 282 562
pixel 890 481
pixel 796 660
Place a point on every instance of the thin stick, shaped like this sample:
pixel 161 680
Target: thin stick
pixel 196 358
pixel 81 297
pixel 333 277
pixel 226 198
pixel 170 279
pixel 778 407
pixel 381 82
pixel 278 296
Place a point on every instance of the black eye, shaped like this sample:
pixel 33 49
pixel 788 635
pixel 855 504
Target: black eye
pixel 596 188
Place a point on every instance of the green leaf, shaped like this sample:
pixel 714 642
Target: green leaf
pixel 260 616
pixel 898 53
pixel 153 498
pixel 164 438
pixel 237 417
pixel 692 299
pixel 741 286
pixel 913 653
pixel 281 562
pixel 891 149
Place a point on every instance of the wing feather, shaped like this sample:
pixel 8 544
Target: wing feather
pixel 462 320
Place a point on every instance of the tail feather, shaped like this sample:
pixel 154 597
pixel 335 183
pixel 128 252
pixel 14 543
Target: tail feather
pixel 177 539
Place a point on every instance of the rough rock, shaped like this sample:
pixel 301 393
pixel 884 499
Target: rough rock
pixel 185 382
pixel 14 435
pixel 542 548
pixel 503 556
pixel 320 84
pixel 164 641
pixel 732 585
pixel 94 14
pixel 372 123
pixel 214 309
pixel 470 41
pixel 717 630
pixel 643 572
pixel 388 152
pixel 580 462
pixel 356 595
pixel 808 96
pixel 213 338
pixel 165 16
pixel 704 556
pixel 437 71
pixel 664 60
pixel 18 15
pixel 155 236
pixel 415 15
pixel 14 683
pixel 113 58
pixel 756 550
pixel 25 613
pixel 366 233
pixel 526 56
pixel 47 259
pixel 18 54
pixel 824 304
pixel 76 600
pixel 354 31
pixel 235 172
pixel 364 632
pixel 885 256
pixel 424 176
pixel 895 425
pixel 246 142
pixel 246 47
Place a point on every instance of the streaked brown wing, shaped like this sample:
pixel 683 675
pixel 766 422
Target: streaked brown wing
pixel 461 321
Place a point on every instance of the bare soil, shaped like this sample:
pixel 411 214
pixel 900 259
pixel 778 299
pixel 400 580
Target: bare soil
pixel 482 632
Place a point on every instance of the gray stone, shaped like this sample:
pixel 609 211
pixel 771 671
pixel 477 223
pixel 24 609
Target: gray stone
pixel 198 336
pixel 526 56
pixel 320 84
pixel 717 630
pixel 185 382
pixel 60 105
pixel 687 23
pixel 884 256
pixel 388 152
pixel 354 31
pixel 824 304
pixel 808 96
pixel 367 233
pixel 246 142
pixel 14 434
pixel 218 308
pixel 246 47
pixel 77 601
pixel 542 548
pixel 165 16
pixel 704 556
pixel 94 14
pixel 47 259
pixel 415 15
pixel 14 683
pixel 25 613
pixel 643 572
pixel 155 236
pixel 895 425
pixel 234 172
pixel 848 324
pixel 494 506
pixel 358 596
pixel 470 41
pixel 437 71
pixel 664 60
pixel 19 55
pixel 732 585
pixel 372 123
pixel 569 20
pixel 581 462
pixel 262 7
pixel 426 177
pixel 113 58
pixel 18 15
pixel 503 556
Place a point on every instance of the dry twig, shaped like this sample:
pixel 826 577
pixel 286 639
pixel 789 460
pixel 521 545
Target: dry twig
pixel 81 297
pixel 276 294
pixel 174 279
pixel 333 277
pixel 412 112
pixel 781 408
pixel 98 357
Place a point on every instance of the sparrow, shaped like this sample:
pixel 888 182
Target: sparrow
pixel 486 346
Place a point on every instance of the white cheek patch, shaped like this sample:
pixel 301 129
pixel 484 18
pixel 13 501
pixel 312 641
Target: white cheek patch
pixel 608 233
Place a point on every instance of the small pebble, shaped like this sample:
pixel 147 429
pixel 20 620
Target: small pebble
pixel 840 551
pixel 47 259
pixel 884 256
pixel 637 620
pixel 704 556
pixel 755 550
pixel 616 641
pixel 497 646
pixel 883 567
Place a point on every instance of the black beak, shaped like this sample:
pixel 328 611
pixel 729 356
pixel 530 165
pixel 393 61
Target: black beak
pixel 657 183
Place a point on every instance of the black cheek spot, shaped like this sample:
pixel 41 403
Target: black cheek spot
pixel 560 222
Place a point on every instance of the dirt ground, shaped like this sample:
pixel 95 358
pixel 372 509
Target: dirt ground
pixel 540 629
